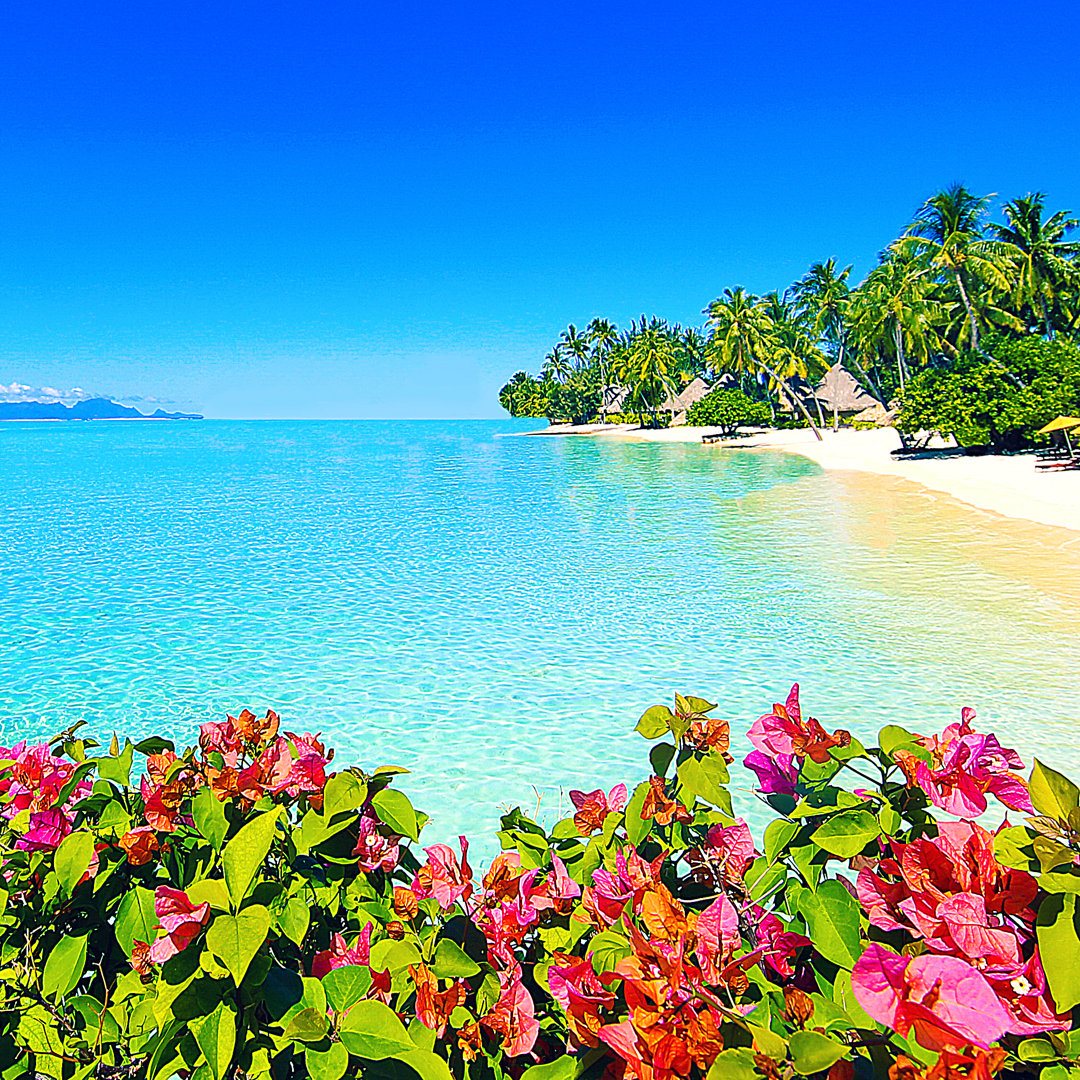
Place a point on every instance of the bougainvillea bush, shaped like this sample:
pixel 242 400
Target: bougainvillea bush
pixel 240 910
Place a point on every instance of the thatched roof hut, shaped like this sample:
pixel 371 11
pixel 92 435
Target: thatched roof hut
pixel 679 404
pixel 612 399
pixel 839 392
pixel 876 414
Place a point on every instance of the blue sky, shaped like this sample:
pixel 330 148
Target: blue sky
pixel 381 210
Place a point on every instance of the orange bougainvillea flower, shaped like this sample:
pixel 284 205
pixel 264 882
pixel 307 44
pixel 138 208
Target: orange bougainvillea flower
pixel 659 806
pixel 434 1006
pixel 139 845
pixel 711 733
pixel 254 731
pixel 662 913
pixel 141 963
pixel 503 879
pixel 406 906
pixel 594 806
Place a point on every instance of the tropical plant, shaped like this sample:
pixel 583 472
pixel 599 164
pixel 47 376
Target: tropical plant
pixel 645 363
pixel 525 396
pixel 1044 258
pixel 728 410
pixel 238 911
pixel 742 338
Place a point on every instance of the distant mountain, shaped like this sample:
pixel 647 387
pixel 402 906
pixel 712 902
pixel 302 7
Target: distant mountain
pixel 90 409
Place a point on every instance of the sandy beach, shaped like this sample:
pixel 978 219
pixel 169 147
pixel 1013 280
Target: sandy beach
pixel 1010 486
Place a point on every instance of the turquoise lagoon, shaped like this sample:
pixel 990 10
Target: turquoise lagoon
pixel 493 613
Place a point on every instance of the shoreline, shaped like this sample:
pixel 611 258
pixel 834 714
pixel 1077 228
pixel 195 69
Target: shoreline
pixel 1008 486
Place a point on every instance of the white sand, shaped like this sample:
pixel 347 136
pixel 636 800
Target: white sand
pixel 1005 485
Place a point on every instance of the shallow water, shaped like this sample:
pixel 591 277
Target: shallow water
pixel 494 613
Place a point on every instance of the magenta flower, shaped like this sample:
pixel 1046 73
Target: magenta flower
pixel 776 775
pixel 180 920
pixel 374 851
pixel 943 1000
pixel 443 877
pixel 965 768
pixel 47 829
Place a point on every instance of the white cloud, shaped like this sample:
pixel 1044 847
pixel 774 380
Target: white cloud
pixel 21 392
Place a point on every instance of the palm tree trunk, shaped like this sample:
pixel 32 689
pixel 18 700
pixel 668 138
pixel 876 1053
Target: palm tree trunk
pixel 899 354
pixel 820 418
pixel 970 311
pixel 792 396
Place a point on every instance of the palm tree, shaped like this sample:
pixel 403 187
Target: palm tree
pixel 575 344
pixel 556 365
pixel 790 347
pixel 893 308
pixel 645 363
pixel 603 336
pixel 948 234
pixel 1045 257
pixel 739 340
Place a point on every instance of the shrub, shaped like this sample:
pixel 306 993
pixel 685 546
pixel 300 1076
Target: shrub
pixel 728 410
pixel 525 396
pixel 1001 401
pixel 241 912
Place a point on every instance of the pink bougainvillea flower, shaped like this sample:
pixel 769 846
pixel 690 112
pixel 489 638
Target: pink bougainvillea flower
pixel 717 932
pixel 34 780
pixel 47 829
pixel 374 851
pixel 944 1000
pixel 727 852
pixel 778 944
pixel 443 877
pixel 514 1017
pixel 1027 1000
pixel 558 890
pixel 341 955
pixel 179 918
pixel 776 775
pixel 594 806
pixel 786 733
pixel 222 738
pixel 965 767
pixel 609 893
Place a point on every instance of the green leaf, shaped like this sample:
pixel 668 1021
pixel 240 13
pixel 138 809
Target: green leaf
pixel 660 757
pixel 245 852
pixel 488 993
pixel 564 1068
pixel 811 1052
pixel 395 810
pixel 705 778
pixel 343 792
pixel 72 859
pixel 1068 882
pixel 210 891
pixel 208 812
pixel 235 939
pixel 426 1065
pixel 892 737
pixel 828 801
pixel 155 745
pixel 1051 793
pixel 346 985
pixel 1013 848
pixel 372 1030
pixel 637 827
pixel 216 1036
pixel 308 1025
pixel 117 769
pixel 735 1064
pixel 64 967
pixel 1059 947
pixel 294 919
pixel 393 956
pixel 1036 1050
pixel 654 722
pixel 327 1064
pixel 698 705
pixel 778 834
pixel 832 922
pixel 847 833
pixel 451 961
pixel 606 949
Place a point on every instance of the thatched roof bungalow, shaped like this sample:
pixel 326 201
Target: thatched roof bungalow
pixel 679 404
pixel 840 393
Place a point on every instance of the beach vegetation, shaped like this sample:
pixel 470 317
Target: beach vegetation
pixel 240 910
pixel 728 410
pixel 956 289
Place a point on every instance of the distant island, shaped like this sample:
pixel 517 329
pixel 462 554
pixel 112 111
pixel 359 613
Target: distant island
pixel 90 409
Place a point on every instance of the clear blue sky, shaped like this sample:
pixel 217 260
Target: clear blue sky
pixel 380 210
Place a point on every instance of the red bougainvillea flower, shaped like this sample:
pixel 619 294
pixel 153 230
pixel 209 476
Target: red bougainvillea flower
pixel 778 944
pixel 557 892
pixel 374 851
pixel 179 918
pixel 1025 996
pixel 657 805
pixel 786 733
pixel 606 898
pixel 592 807
pixel 139 845
pixel 966 767
pixel 944 1000
pixel 341 955
pixel 577 988
pixel 47 829
pixel 727 852
pixel 443 877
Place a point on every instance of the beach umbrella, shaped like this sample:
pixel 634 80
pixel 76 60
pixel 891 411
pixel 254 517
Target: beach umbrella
pixel 1064 424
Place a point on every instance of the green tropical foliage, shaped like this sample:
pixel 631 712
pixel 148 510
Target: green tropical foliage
pixel 728 410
